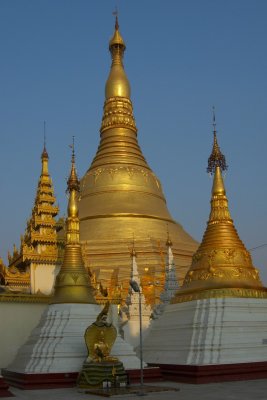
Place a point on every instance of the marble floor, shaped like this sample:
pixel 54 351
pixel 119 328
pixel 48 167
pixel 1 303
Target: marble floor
pixel 241 390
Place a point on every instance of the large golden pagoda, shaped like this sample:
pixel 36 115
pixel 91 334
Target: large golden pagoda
pixel 72 282
pixel 121 196
pixel 221 266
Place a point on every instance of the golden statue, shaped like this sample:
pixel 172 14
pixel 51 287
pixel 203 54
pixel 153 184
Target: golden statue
pixel 100 337
pixel 100 367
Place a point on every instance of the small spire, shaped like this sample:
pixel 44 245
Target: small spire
pixel 216 159
pixel 72 282
pixel 117 40
pixel 116 13
pixel 133 251
pixel 44 153
pixel 73 181
pixel 214 119
pixel 168 241
pixel 73 150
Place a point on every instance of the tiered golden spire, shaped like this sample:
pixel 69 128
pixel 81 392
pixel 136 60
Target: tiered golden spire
pixel 222 266
pixel 118 145
pixel 72 280
pixel 40 243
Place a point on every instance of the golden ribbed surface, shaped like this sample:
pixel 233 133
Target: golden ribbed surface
pixel 121 196
pixel 221 267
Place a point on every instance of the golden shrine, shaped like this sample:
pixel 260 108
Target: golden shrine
pixel 221 266
pixel 122 197
pixel 42 244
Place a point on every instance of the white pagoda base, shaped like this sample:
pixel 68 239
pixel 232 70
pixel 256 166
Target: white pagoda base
pixel 55 351
pixel 210 340
pixel 131 330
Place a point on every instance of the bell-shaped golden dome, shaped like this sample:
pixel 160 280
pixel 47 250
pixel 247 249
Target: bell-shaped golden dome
pixel 120 195
pixel 222 266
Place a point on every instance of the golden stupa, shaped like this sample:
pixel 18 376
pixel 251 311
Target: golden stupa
pixel 72 282
pixel 221 266
pixel 121 196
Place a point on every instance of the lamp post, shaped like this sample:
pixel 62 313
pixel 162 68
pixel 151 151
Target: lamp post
pixel 136 288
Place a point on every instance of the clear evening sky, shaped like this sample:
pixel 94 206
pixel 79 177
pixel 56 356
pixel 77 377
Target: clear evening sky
pixel 182 58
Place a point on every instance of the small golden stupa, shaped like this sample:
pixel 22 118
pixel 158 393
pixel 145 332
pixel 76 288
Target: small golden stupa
pixel 121 196
pixel 221 266
pixel 72 282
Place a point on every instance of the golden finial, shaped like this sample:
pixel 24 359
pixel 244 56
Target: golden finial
pixel 73 181
pixel 216 159
pixel 117 84
pixel 44 153
pixel 116 39
pixel 133 251
pixel 168 241
pixel 116 13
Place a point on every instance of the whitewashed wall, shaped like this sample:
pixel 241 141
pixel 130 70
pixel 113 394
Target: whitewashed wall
pixel 16 323
pixel 43 278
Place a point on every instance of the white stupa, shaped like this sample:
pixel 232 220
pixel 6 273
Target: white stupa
pixel 55 350
pixel 171 284
pixel 130 312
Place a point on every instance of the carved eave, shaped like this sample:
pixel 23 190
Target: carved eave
pixel 49 238
pixel 46 209
pixel 24 298
pixel 39 259
pixel 46 198
pixel 47 222
pixel 183 296
pixel 15 276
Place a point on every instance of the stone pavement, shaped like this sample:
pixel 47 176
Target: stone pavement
pixel 241 390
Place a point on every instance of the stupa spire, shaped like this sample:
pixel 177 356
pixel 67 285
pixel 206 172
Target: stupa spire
pixel 118 115
pixel 222 266
pixel 72 282
pixel 216 159
pixel 117 84
pixel 121 194
pixel 44 156
pixel 168 241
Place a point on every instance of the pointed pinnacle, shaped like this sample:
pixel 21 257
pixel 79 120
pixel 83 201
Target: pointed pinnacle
pixel 216 159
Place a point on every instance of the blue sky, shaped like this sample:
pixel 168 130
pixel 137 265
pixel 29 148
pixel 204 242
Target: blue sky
pixel 182 58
